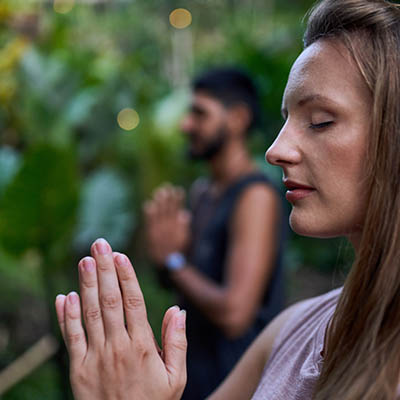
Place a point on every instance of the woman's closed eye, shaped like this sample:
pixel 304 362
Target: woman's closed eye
pixel 320 125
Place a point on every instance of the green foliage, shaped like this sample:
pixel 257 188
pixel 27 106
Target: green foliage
pixel 104 211
pixel 37 205
pixel 325 255
pixel 19 275
pixel 9 164
pixel 43 384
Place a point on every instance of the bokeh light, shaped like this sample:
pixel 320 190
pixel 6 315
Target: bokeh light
pixel 63 6
pixel 180 18
pixel 128 119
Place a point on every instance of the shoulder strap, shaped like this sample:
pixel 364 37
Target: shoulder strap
pixel 238 186
pixel 229 198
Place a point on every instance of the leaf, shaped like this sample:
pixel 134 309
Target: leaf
pixel 9 164
pixel 169 110
pixel 105 210
pixel 38 206
pixel 33 64
pixel 19 273
pixel 80 106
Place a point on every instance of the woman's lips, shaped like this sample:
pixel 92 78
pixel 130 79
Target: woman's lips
pixel 297 191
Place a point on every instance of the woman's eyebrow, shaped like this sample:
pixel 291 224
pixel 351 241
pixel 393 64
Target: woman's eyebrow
pixel 310 98
pixel 315 97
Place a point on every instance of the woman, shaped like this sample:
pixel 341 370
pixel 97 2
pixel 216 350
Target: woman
pixel 339 152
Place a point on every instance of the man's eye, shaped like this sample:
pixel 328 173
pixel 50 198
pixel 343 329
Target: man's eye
pixel 321 125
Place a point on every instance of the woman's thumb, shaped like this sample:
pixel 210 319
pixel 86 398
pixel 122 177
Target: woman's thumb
pixel 174 348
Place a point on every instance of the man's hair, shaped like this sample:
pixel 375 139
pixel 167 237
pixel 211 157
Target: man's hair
pixel 362 347
pixel 231 86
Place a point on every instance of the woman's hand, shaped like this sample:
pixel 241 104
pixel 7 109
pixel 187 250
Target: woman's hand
pixel 118 357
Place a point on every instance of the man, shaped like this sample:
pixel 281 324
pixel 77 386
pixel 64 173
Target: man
pixel 224 255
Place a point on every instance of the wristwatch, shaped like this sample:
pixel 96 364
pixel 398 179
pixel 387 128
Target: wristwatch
pixel 175 261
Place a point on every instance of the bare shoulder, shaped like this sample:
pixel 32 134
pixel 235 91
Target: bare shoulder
pixel 259 191
pixel 259 205
pixel 270 333
pixel 298 314
pixel 258 198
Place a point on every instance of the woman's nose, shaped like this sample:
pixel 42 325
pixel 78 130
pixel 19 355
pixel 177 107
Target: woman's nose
pixel 284 151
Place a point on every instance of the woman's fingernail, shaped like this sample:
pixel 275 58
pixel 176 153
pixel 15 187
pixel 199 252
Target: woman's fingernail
pixel 102 247
pixel 181 323
pixel 88 264
pixel 73 298
pixel 122 260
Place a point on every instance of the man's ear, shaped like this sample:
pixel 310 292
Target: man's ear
pixel 239 119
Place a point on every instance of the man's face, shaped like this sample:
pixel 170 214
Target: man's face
pixel 205 125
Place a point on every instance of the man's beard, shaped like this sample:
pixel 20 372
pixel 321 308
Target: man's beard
pixel 210 149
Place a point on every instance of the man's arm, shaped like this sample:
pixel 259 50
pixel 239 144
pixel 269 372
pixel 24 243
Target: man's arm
pixel 249 265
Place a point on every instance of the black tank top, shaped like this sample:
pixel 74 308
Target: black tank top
pixel 211 355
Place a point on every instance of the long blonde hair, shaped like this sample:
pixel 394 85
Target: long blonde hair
pixel 362 352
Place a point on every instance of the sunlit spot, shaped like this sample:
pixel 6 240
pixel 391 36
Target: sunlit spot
pixel 180 18
pixel 63 6
pixel 128 119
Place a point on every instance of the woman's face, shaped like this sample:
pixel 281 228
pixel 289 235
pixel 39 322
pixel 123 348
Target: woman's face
pixel 322 145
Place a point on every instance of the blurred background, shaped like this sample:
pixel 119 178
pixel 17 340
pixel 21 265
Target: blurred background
pixel 91 95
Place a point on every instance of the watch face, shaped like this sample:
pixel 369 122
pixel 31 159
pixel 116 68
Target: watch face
pixel 175 261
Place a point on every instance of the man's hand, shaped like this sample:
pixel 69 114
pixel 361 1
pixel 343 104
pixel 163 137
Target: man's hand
pixel 117 357
pixel 167 223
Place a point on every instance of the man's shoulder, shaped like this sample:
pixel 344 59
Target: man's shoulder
pixel 254 179
pixel 260 192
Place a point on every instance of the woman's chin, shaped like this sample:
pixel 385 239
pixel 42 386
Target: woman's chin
pixel 308 227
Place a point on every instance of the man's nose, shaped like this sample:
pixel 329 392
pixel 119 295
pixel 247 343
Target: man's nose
pixel 186 124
